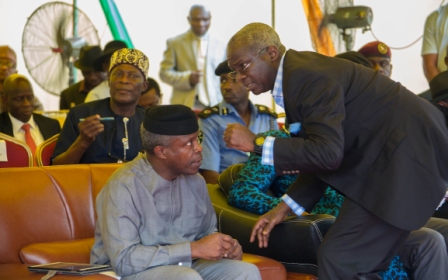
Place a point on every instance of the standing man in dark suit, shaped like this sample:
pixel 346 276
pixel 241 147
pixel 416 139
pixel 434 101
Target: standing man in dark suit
pixel 356 133
pixel 19 98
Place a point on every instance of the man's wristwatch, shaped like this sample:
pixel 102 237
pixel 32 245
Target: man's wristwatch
pixel 258 144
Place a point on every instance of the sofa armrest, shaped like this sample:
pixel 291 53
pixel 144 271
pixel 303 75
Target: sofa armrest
pixel 294 242
pixel 48 252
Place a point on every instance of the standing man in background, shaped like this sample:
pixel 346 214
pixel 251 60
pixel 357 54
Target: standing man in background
pixel 435 42
pixel 190 60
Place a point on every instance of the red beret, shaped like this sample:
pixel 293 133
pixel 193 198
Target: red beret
pixel 375 48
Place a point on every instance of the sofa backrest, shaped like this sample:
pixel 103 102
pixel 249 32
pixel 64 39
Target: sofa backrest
pixel 47 204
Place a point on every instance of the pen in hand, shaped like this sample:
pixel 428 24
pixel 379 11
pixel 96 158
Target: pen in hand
pixel 101 119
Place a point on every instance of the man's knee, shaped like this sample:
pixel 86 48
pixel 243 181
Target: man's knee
pixel 430 239
pixel 171 272
pixel 250 271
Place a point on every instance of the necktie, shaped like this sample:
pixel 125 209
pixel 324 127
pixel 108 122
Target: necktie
pixel 28 138
pixel 201 53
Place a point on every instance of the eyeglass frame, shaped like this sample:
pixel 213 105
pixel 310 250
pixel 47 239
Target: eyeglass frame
pixel 8 64
pixel 234 74
pixel 200 137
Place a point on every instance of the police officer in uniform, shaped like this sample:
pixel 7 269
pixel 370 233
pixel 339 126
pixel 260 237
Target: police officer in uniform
pixel 235 108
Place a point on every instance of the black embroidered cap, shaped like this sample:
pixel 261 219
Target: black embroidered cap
pixel 171 120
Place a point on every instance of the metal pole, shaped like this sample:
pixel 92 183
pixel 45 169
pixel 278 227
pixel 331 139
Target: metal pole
pixel 115 22
pixel 75 18
pixel 72 69
pixel 273 26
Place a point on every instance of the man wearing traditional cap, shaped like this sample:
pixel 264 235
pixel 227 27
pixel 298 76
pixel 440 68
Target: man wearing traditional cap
pixel 155 217
pixel 8 66
pixel 363 134
pixel 235 108
pixel 19 121
pixel 76 93
pixel 379 55
pixel 106 130
pixel 102 63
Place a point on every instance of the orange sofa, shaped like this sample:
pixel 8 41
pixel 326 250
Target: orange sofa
pixel 47 215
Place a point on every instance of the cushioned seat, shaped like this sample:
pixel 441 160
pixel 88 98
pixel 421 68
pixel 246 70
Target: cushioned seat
pixel 47 214
pixel 294 242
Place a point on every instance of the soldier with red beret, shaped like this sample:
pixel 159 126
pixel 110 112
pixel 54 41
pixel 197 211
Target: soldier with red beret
pixel 379 55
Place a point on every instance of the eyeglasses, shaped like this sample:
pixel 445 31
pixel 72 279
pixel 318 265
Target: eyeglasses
pixel 233 75
pixel 200 137
pixel 8 64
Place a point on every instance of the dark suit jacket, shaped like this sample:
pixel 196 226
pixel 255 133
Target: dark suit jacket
pixel 47 126
pixel 72 95
pixel 365 135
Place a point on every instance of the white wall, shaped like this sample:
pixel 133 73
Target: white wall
pixel 150 23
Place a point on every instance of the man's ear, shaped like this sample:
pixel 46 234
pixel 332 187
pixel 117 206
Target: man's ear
pixel 159 151
pixel 273 53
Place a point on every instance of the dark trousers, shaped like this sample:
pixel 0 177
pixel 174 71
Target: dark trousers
pixel 358 245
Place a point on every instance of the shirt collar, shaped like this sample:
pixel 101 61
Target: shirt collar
pixel 82 87
pixel 253 109
pixel 17 124
pixel 277 92
pixel 203 37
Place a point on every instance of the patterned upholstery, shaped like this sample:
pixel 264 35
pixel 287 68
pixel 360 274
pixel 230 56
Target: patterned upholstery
pixel 45 150
pixel 57 115
pixel 18 153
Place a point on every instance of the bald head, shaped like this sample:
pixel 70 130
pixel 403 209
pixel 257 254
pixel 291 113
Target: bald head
pixel 253 37
pixel 254 54
pixel 201 8
pixel 10 84
pixel 20 97
pixel 199 19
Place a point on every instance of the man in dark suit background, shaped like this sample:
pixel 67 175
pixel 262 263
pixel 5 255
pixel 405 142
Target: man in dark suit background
pixel 19 98
pixel 357 133
pixel 76 93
